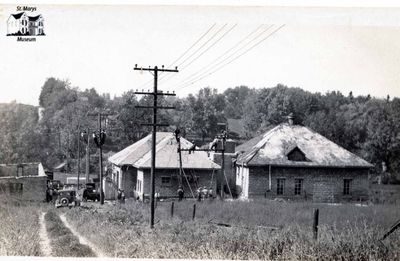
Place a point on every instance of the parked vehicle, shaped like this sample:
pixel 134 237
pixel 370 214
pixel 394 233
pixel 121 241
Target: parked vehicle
pixel 90 193
pixel 52 189
pixel 67 198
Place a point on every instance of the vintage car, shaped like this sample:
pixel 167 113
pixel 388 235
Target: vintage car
pixel 67 198
pixel 90 193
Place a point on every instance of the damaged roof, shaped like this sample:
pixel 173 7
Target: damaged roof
pixel 167 157
pixel 273 147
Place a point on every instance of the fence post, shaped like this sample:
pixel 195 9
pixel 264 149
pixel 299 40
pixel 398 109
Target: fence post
pixel 315 224
pixel 172 209
pixel 194 211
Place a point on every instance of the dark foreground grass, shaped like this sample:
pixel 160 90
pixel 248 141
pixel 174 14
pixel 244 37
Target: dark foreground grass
pixel 63 242
pixel 19 227
pixel 346 232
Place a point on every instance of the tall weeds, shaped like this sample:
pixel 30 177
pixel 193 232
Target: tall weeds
pixel 19 228
pixel 346 232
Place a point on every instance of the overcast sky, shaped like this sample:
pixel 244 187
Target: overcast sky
pixel 318 49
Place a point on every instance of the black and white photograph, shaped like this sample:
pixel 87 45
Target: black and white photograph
pixel 215 130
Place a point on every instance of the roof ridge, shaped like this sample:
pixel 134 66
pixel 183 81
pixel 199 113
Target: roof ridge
pixel 142 141
pixel 268 133
pixel 340 147
pixel 165 139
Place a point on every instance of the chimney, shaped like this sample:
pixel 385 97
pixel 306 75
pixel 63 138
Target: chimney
pixel 290 119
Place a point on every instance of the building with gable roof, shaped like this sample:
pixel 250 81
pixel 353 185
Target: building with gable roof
pixel 293 162
pixel 130 169
pixel 22 24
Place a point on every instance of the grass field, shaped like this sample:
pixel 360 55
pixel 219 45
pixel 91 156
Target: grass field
pixel 19 228
pixel 346 232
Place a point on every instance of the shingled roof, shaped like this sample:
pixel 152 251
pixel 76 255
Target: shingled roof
pixel 139 154
pixel 273 147
pixel 34 18
pixel 17 16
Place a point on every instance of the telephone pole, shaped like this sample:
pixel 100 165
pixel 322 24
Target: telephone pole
pixel 99 138
pixel 79 156
pixel 222 139
pixel 155 106
pixel 86 138
pixel 87 164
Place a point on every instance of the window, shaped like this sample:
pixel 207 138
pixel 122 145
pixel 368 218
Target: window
pixel 280 186
pixel 193 179
pixel 296 155
pixel 11 188
pixel 298 186
pixel 347 186
pixel 16 188
pixel 165 180
pixel 20 170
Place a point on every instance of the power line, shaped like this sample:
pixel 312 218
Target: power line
pixel 228 51
pixel 187 84
pixel 196 42
pixel 208 48
pixel 182 55
pixel 204 44
pixel 221 63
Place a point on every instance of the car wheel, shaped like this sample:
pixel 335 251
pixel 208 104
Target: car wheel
pixel 64 202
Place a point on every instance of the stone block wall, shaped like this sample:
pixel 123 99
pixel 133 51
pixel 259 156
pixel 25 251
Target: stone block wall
pixel 170 190
pixel 319 184
pixel 25 188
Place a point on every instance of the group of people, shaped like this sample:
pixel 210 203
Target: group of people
pixel 121 196
pixel 202 193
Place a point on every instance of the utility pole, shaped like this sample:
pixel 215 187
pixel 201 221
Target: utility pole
pixel 86 138
pixel 59 142
pixel 99 138
pixel 155 94
pixel 87 165
pixel 100 144
pixel 178 139
pixel 79 157
pixel 222 138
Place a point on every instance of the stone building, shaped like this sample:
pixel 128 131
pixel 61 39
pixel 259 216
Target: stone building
pixel 130 169
pixel 26 181
pixel 293 162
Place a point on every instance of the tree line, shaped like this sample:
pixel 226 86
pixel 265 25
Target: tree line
pixel 365 125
